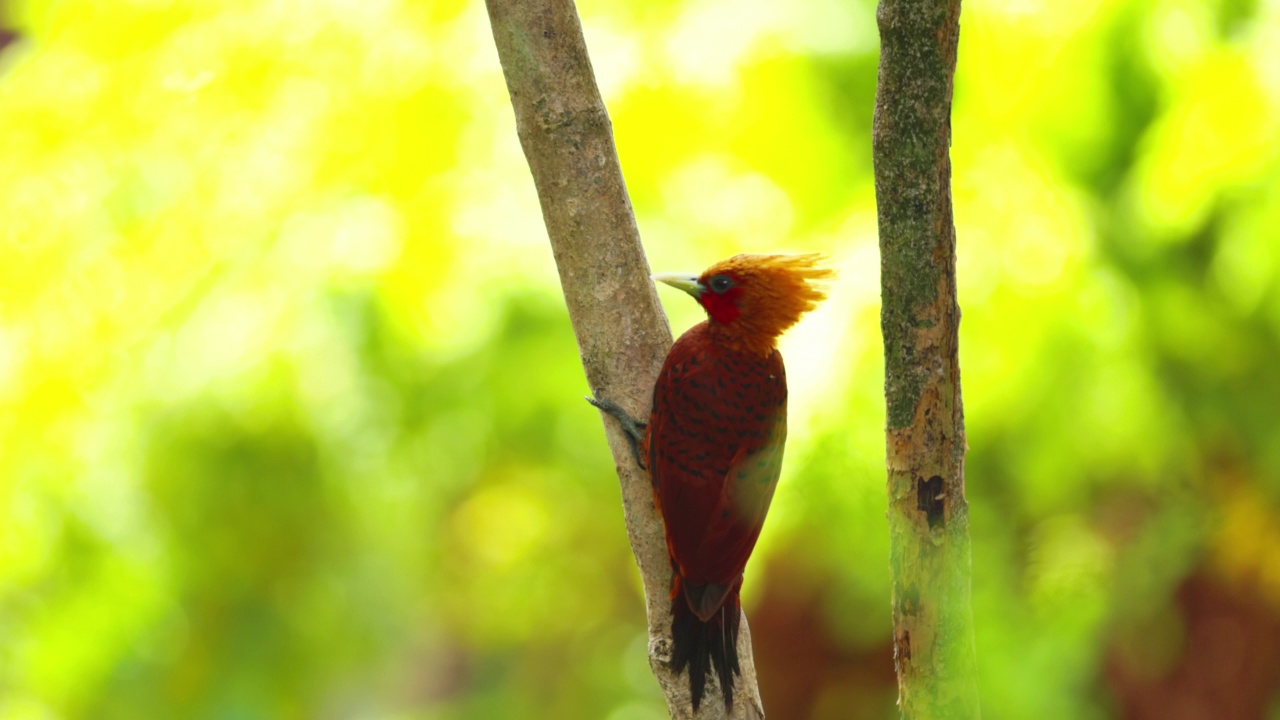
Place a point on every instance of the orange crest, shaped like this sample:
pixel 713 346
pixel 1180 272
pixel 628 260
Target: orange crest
pixel 764 295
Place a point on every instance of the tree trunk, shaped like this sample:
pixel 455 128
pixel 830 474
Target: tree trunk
pixel 622 333
pixel 928 515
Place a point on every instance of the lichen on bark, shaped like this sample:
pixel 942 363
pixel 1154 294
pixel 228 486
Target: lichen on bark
pixel 928 515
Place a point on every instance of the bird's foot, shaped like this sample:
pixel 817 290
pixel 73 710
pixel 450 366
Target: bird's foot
pixel 631 427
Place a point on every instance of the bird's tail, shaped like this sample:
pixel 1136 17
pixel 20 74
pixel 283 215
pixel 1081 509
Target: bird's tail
pixel 703 646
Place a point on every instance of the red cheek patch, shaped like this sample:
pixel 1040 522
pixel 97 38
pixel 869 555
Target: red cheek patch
pixel 723 308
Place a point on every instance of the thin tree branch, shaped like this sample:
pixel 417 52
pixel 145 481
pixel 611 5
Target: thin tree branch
pixel 622 333
pixel 928 514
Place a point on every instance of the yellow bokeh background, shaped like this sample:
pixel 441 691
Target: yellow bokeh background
pixel 290 416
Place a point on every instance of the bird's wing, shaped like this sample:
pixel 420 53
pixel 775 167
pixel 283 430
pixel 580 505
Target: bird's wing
pixel 746 492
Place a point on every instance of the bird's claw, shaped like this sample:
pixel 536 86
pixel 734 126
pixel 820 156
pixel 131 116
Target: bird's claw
pixel 633 428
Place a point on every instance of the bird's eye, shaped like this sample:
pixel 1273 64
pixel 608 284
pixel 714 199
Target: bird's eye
pixel 720 283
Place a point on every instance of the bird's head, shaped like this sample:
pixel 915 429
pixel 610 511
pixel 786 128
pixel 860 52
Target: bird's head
pixel 752 299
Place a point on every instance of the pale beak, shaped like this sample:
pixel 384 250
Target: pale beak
pixel 683 281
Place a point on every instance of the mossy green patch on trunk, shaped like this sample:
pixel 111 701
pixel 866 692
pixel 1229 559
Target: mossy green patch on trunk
pixel 928 520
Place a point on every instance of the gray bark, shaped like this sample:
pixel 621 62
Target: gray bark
pixel 622 333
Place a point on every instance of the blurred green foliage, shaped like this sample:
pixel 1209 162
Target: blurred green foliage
pixel 290 417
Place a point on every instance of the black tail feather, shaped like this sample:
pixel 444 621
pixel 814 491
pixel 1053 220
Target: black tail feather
pixel 706 646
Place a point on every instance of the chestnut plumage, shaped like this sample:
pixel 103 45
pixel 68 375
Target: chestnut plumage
pixel 714 445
